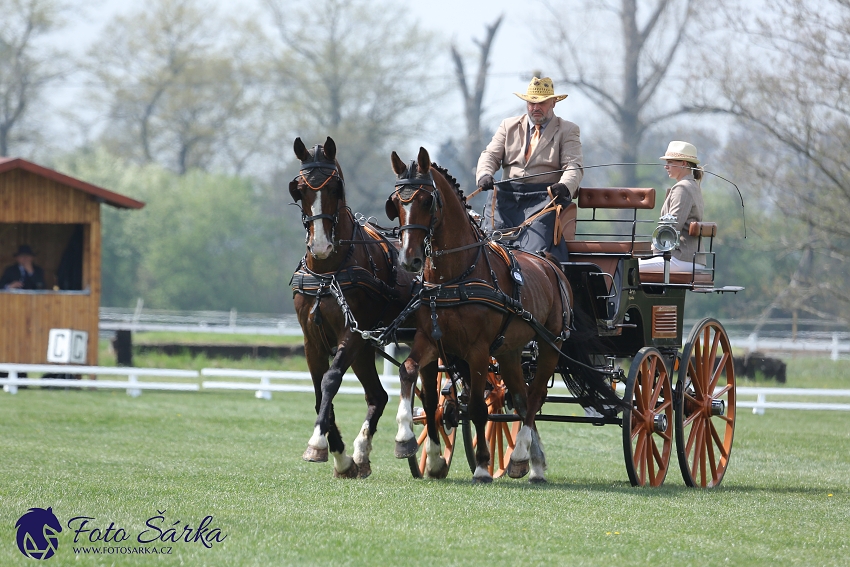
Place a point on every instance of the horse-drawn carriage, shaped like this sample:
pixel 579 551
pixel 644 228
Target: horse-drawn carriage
pixel 492 326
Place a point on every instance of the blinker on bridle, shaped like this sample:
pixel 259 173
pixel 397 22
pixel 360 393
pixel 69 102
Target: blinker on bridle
pixel 407 188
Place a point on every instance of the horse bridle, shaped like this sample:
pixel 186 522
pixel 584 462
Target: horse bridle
pixel 323 166
pixel 406 189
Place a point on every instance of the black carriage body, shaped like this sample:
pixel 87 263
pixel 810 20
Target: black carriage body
pixel 629 315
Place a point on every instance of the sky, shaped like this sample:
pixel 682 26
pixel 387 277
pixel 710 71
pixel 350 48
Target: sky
pixel 458 21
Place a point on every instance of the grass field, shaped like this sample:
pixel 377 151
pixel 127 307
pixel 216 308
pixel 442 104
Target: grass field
pixel 785 499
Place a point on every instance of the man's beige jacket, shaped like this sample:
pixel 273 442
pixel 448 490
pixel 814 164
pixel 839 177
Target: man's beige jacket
pixel 559 148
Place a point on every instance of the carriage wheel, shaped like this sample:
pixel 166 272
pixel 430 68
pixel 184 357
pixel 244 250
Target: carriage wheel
pixel 500 436
pixel 705 405
pixel 647 439
pixel 446 418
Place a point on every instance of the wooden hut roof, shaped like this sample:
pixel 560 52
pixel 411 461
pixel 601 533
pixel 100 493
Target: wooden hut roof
pixel 108 197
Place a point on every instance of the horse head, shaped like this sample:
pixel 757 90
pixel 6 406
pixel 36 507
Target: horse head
pixel 417 204
pixel 320 187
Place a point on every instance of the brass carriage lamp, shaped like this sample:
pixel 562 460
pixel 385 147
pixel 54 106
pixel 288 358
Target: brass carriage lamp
pixel 665 239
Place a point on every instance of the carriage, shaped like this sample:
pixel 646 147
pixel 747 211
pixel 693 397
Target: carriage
pixel 483 352
pixel 687 392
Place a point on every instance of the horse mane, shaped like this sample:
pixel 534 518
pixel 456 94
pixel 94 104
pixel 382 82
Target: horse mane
pixel 453 182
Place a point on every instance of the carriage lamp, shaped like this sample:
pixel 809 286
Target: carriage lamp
pixel 665 237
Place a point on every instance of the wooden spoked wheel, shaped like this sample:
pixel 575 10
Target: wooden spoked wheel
pixel 447 420
pixel 705 405
pixel 500 436
pixel 647 431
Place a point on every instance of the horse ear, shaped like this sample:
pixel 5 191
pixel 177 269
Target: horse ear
pixel 424 161
pixel 330 149
pixel 300 150
pixel 293 190
pixel 398 166
pixel 389 207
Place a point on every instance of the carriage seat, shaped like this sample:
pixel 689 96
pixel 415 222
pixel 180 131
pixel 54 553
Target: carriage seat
pixel 701 276
pixel 607 198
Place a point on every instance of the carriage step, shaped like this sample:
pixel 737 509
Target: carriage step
pixel 503 417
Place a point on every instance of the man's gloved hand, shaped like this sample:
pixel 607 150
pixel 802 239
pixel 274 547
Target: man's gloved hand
pixel 561 193
pixel 486 182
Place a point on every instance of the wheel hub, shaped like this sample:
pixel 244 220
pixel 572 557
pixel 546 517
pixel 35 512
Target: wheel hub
pixel 718 407
pixel 660 423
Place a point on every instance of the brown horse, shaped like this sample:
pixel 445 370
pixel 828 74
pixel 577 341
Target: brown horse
pixel 477 302
pixel 346 282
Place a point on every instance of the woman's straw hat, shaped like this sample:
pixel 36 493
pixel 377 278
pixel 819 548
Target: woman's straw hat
pixel 681 151
pixel 540 90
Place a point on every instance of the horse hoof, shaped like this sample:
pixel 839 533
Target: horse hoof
pixel 314 455
pixel 405 449
pixel 537 480
pixel 365 469
pixel 517 469
pixel 482 479
pixel 440 474
pixel 352 472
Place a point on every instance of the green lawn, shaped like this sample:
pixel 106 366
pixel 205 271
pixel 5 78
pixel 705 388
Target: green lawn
pixel 785 499
pixel 159 337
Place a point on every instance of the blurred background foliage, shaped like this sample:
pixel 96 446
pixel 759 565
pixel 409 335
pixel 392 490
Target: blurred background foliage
pixel 192 107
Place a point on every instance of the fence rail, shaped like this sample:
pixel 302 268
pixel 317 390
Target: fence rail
pixel 263 386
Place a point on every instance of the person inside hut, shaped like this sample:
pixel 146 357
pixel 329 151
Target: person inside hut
pixel 23 274
pixel 537 142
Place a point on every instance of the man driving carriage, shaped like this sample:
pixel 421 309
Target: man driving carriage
pixel 534 143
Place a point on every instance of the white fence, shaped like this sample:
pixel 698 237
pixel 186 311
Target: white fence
pixel 761 403
pixel 836 346
pixel 261 384
pixel 132 385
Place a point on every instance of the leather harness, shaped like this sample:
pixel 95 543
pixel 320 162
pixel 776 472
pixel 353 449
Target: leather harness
pixel 463 291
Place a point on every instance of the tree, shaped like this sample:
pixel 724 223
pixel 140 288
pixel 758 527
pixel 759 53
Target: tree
pixel 180 86
pixel 361 72
pixel 624 74
pixel 473 98
pixel 26 65
pixel 203 241
pixel 792 93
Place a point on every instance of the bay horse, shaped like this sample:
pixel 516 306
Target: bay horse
pixel 478 300
pixel 347 280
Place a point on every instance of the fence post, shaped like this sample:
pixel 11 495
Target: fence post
pixel 12 388
pixel 834 355
pixel 133 392
pixel 752 342
pixel 759 407
pixel 388 367
pixel 262 394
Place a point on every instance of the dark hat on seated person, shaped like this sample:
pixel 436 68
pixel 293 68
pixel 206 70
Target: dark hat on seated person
pixel 23 249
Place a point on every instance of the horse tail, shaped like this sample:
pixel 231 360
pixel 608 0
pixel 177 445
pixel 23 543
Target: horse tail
pixel 578 370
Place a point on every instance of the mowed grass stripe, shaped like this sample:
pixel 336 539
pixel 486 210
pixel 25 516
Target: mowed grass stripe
pixel 229 455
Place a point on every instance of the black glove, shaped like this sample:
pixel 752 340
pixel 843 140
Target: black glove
pixel 561 193
pixel 486 182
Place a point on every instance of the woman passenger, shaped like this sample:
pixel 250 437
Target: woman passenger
pixel 684 201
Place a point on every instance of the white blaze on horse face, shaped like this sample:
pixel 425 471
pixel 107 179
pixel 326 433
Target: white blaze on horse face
pixel 405 236
pixel 319 243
